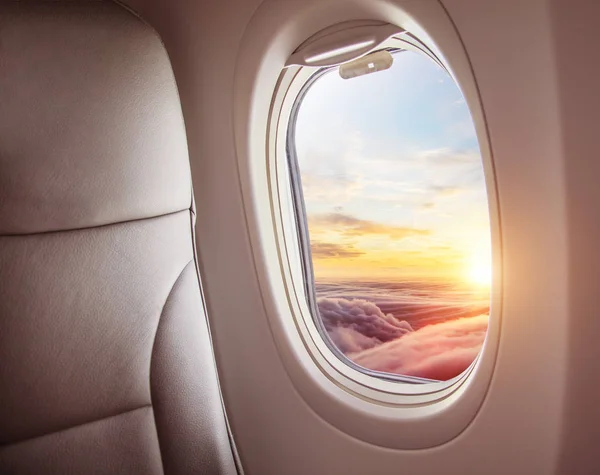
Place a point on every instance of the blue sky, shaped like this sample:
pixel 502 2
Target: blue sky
pixel 392 174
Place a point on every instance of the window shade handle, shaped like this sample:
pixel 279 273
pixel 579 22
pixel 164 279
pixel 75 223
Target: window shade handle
pixel 342 43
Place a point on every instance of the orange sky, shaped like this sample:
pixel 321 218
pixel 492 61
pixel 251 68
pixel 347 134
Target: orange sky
pixel 392 176
pixel 388 252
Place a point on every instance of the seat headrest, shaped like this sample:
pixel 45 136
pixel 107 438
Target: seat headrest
pixel 91 129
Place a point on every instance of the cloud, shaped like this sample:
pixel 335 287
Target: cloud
pixel 451 172
pixel 351 226
pixel 355 325
pixel 443 190
pixel 447 156
pixel 441 351
pixel 382 342
pixel 329 250
pixel 331 188
pixel 442 248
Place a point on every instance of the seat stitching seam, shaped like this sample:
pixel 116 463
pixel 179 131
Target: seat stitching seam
pixel 55 432
pixel 85 228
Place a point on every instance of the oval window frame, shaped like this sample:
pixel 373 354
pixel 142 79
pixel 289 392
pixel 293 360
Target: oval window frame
pixel 387 414
pixel 420 391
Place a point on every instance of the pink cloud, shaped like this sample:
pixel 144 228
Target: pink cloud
pixel 440 351
pixel 382 342
pixel 357 324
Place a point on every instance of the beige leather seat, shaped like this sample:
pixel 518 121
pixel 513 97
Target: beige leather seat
pixel 106 364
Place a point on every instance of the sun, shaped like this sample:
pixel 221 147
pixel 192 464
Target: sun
pixel 479 270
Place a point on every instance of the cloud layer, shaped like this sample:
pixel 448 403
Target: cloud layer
pixel 351 226
pixel 381 342
pixel 329 250
pixel 355 325
pixel 440 351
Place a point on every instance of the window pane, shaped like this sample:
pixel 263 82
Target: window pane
pixel 397 213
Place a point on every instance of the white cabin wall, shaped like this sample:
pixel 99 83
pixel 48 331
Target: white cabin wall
pixel 511 47
pixel 577 47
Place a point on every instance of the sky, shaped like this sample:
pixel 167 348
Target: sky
pixel 392 176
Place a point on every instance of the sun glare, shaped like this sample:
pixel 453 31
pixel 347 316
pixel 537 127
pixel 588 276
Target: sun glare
pixel 479 271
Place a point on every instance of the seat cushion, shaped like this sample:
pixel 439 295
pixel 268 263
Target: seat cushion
pixel 106 363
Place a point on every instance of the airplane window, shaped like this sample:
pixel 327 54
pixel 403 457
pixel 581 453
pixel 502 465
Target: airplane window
pixel 392 201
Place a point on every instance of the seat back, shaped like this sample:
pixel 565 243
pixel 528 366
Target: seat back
pixel 106 363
